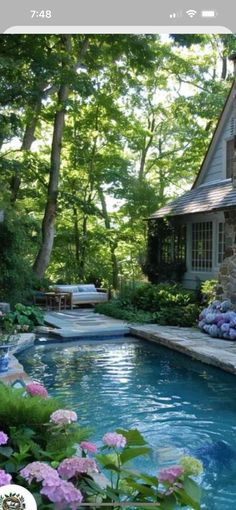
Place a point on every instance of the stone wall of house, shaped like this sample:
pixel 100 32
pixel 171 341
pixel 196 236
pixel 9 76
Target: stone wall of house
pixel 226 288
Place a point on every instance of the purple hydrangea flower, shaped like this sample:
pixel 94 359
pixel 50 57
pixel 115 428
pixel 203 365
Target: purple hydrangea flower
pixel 62 492
pixel 232 334
pixel 112 439
pixel 90 447
pixel 210 318
pixel 201 324
pixel 226 305
pixel 218 318
pixel 213 331
pixel 74 466
pixel 170 474
pixel 229 316
pixel 3 438
pixel 216 304
pixel 63 417
pixel 38 471
pixel 5 478
pixel 225 328
pixel 35 389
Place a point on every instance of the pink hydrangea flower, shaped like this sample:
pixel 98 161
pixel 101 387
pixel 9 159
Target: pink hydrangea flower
pixel 112 439
pixel 36 390
pixel 5 478
pixel 170 474
pixel 39 471
pixel 74 466
pixel 63 417
pixel 90 447
pixel 62 493
pixel 3 438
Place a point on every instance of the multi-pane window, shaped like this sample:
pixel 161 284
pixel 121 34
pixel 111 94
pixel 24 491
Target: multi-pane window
pixel 229 158
pixel 221 242
pixel 202 246
pixel 173 246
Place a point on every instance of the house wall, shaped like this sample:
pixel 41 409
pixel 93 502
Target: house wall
pixel 226 288
pixel 192 279
pixel 216 169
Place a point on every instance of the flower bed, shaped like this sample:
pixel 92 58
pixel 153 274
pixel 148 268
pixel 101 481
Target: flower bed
pixel 43 448
pixel 219 320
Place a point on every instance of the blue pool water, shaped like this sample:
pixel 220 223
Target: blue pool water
pixel 181 406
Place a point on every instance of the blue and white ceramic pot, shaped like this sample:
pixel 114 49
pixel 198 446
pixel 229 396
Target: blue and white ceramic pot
pixel 4 358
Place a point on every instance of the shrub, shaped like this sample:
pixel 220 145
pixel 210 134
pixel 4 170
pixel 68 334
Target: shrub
pixel 173 316
pixel 162 304
pixel 38 451
pixel 23 318
pixel 117 309
pixel 16 275
pixel 208 290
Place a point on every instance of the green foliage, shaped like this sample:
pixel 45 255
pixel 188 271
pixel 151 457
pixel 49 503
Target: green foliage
pixel 33 436
pixel 23 318
pixel 146 303
pixel 26 420
pixel 16 411
pixel 154 297
pixel 124 144
pixel 16 276
pixel 208 290
pixel 117 309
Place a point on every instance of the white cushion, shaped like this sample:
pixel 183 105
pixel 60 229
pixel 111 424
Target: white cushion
pixel 66 288
pixel 89 297
pixel 90 287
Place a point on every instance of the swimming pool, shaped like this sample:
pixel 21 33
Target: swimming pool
pixel 181 406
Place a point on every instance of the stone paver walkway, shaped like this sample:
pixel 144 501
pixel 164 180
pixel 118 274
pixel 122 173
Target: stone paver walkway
pixel 83 323
pixel 192 342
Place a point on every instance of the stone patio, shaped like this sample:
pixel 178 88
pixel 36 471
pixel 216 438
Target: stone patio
pixel 82 323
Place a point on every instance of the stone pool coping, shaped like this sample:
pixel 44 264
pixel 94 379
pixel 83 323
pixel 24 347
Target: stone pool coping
pixel 191 342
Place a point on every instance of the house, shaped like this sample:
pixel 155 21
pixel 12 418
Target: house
pixel 193 238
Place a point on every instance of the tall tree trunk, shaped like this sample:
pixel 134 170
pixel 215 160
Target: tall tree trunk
pixel 147 144
pixel 28 139
pixel 48 224
pixel 113 244
pixel 83 249
pixel 77 236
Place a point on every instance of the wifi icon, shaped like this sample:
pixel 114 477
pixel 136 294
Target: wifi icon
pixel 191 13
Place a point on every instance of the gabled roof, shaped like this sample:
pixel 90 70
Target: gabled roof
pixel 206 198
pixel 214 195
pixel 228 107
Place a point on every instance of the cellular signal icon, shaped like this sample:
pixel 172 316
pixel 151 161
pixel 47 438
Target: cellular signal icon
pixel 191 13
pixel 176 15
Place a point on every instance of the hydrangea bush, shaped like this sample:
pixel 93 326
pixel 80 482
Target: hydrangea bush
pixel 219 320
pixel 66 475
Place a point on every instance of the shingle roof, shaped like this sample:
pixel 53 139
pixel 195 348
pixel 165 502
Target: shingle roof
pixel 205 198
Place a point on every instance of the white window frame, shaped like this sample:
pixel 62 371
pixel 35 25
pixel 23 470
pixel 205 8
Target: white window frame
pixel 216 219
pixel 228 139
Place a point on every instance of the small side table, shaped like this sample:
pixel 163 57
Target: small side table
pixel 58 300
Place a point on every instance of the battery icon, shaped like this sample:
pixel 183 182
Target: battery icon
pixel 208 14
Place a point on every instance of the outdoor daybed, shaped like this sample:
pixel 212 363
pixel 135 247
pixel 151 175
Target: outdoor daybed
pixel 83 293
